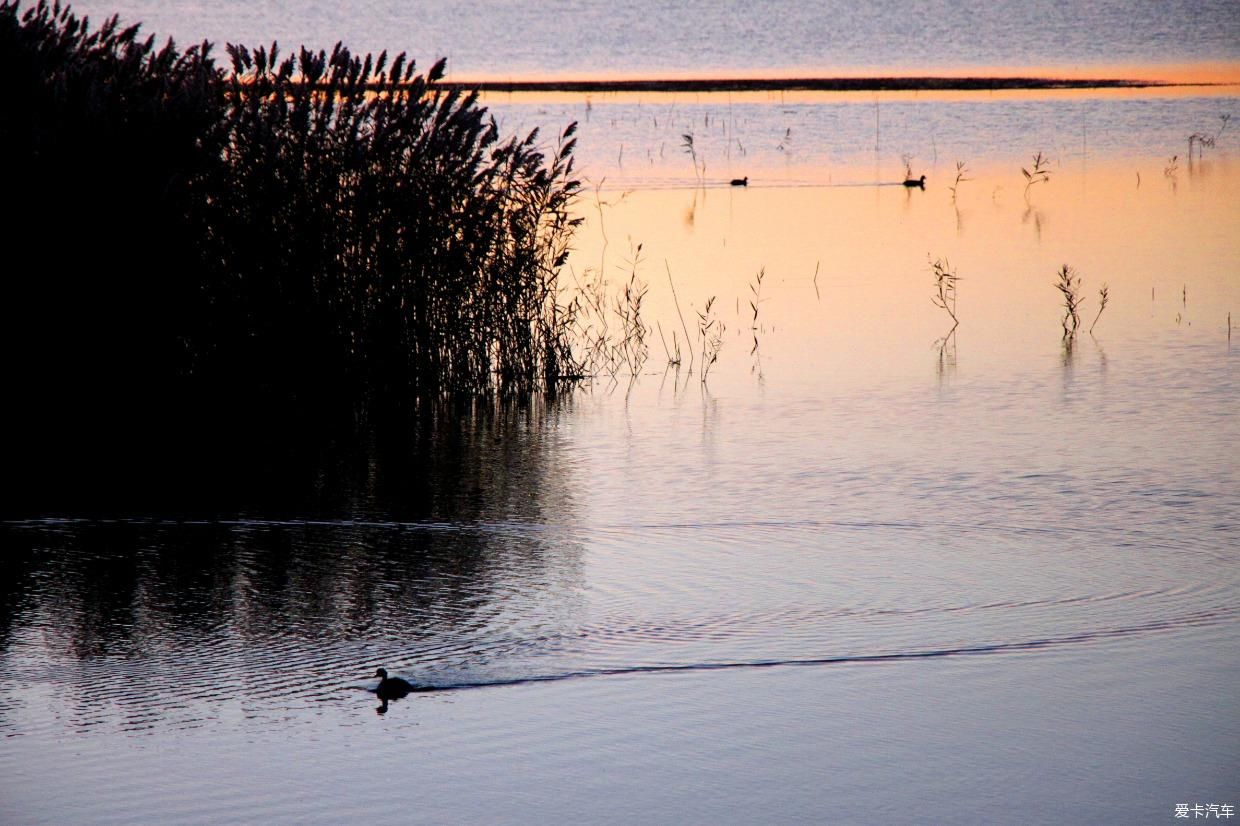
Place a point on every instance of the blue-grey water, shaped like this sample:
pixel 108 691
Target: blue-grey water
pixel 864 573
pixel 791 140
pixel 1013 598
pixel 499 38
pixel 853 578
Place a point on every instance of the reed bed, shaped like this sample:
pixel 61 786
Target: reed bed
pixel 316 229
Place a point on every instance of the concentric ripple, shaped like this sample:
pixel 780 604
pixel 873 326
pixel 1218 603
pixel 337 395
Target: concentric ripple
pixel 138 625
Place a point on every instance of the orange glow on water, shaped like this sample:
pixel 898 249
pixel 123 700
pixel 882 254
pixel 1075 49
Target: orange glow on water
pixel 847 280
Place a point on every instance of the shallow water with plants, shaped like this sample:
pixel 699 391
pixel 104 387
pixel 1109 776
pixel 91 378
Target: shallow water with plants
pixel 826 537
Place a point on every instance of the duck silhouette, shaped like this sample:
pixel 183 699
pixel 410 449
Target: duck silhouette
pixel 920 183
pixel 740 181
pixel 390 688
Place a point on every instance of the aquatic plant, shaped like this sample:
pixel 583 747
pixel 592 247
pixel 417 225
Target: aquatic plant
pixel 1069 285
pixel 1038 173
pixel 1103 297
pixel 631 341
pixel 945 279
pixel 608 332
pixel 673 352
pixel 961 170
pixel 591 332
pixel 756 289
pixel 316 230
pixel 102 320
pixel 1204 139
pixel 413 243
pixel 710 333
pixel 699 166
pixel 681 315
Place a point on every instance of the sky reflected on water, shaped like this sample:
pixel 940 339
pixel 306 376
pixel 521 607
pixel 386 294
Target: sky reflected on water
pixel 854 574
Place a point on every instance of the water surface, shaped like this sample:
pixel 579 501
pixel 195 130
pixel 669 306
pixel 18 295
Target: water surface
pixel 867 570
pixel 501 39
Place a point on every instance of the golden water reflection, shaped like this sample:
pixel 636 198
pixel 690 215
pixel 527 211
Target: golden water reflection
pixel 848 287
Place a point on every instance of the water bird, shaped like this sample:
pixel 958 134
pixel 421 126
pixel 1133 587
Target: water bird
pixel 741 181
pixel 391 688
pixel 920 183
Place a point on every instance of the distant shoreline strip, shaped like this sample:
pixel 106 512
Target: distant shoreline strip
pixel 808 84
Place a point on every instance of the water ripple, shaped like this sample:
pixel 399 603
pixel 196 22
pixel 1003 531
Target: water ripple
pixel 119 627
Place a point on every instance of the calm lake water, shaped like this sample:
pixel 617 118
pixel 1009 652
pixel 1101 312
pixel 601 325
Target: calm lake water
pixel 870 570
pixel 500 38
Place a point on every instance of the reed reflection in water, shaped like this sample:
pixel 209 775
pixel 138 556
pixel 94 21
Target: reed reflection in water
pixel 250 610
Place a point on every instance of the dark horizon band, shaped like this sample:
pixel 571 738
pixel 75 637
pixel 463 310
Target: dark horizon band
pixel 810 84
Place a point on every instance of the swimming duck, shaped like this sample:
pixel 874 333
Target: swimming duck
pixel 741 181
pixel 391 688
pixel 920 183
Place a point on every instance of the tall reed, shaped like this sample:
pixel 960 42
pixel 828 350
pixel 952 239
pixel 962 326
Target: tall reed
pixel 311 229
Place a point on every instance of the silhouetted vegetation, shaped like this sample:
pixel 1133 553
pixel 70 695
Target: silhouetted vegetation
pixel 1038 173
pixel 1104 296
pixel 961 171
pixel 945 279
pixel 286 241
pixel 1204 139
pixel 1068 282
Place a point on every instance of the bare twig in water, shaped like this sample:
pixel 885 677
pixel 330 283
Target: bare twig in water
pixel 685 327
pixel 673 354
pixel 1204 139
pixel 945 279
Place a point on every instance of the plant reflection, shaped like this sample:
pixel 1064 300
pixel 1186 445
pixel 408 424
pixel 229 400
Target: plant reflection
pixel 408 548
pixel 946 347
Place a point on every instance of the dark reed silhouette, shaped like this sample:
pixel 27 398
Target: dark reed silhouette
pixel 1068 282
pixel 199 253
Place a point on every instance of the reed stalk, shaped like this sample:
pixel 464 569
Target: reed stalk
pixel 1037 173
pixel 945 279
pixel 319 229
pixel 1069 285
pixel 1103 297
